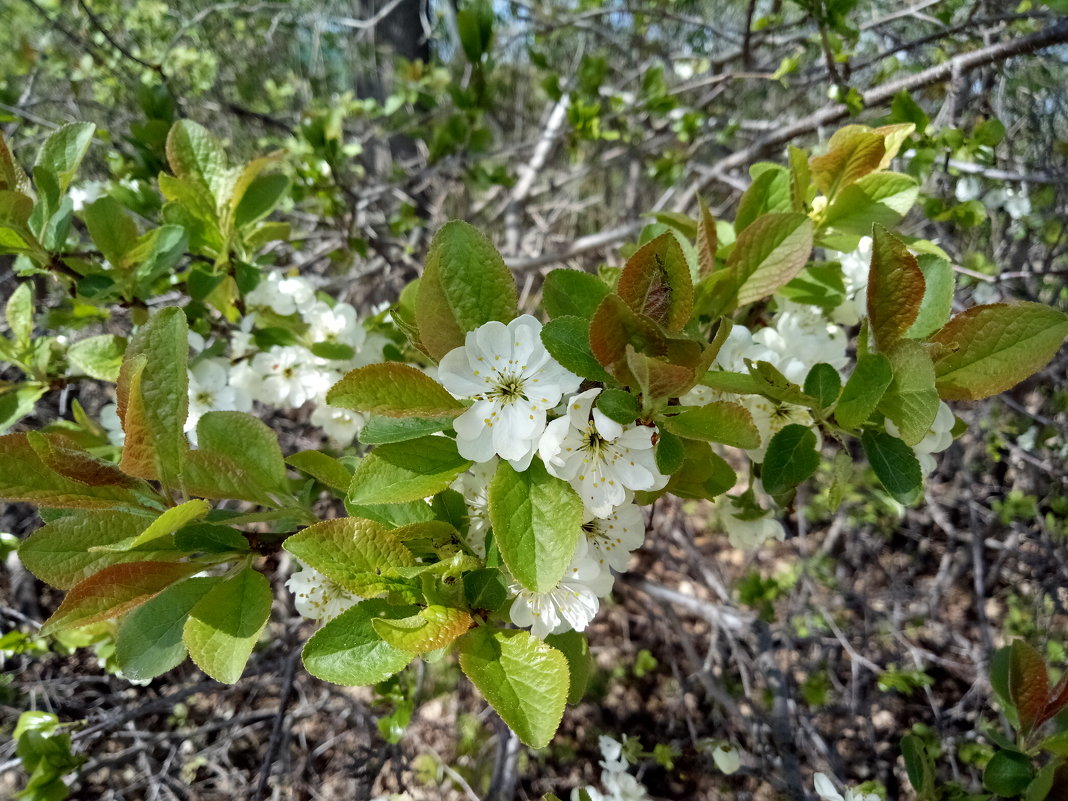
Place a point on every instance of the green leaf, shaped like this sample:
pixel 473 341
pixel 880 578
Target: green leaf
pixel 149 639
pixel 64 149
pixel 18 402
pixel 25 476
pixel 99 357
pixel 465 284
pixel 208 538
pixel 156 254
pixel 919 766
pixel 524 679
pixel 172 520
pixel 769 253
pixel 73 547
pixel 113 591
pixel 384 430
pixel 154 412
pixel 325 469
pixel 1008 773
pixel 937 297
pixel 894 464
pixel 576 649
pixel 704 473
pixel 791 458
pixel 210 474
pixel 224 625
pixel 260 198
pixel 1028 685
pixel 853 152
pixel 824 384
pixel 19 313
pixel 864 389
pixel 985 350
pixel 911 399
pixel 670 453
pixel 568 341
pixel 406 471
pixel 881 198
pixel 768 194
pixel 719 421
pixel 249 442
pixel 195 155
pixel 485 589
pixel 393 390
pixel 348 651
pixel 895 289
pixel 112 229
pixel 428 629
pixel 656 282
pixel 572 293
pixel 618 405
pixel 350 551
pixel 537 520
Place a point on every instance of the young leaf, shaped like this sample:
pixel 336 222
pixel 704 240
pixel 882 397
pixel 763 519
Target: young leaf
pixel 881 198
pixel 464 285
pixel 895 289
pixel 350 551
pixel 406 471
pixel 65 457
pixel 864 389
pixel 572 293
pixel 99 357
pixel 719 421
pixel 769 253
pixel 911 400
pixel 224 625
pixel 323 468
pixel 614 326
pixel 25 477
pixel 768 194
pixel 791 457
pixel 249 442
pixel 64 149
pixel 73 547
pixel 524 679
pixel 706 241
pixel 392 389
pixel 19 313
pixel 154 412
pixel 149 639
pixel 348 650
pixel 112 229
pixel 656 282
pixel 195 155
pixel 657 377
pixel 537 520
pixel 171 520
pixel 1028 685
pixel 853 152
pixel 985 350
pixel 894 464
pixel 937 302
pixel 113 591
pixel 12 176
pixel 430 628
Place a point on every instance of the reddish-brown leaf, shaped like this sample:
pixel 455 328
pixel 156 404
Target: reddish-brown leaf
pixel 1028 685
pixel 706 241
pixel 656 282
pixel 895 289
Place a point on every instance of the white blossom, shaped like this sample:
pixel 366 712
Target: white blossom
pixel 283 296
pixel 799 338
pixel 318 597
pixel 289 376
pixel 335 325
pixel 513 381
pixel 771 417
pixel 210 392
pixel 855 268
pixel 571 604
pixel 340 425
pixel 601 458
pixel 612 538
pixel 474 486
pixel 727 758
pixel 109 419
pixel 747 533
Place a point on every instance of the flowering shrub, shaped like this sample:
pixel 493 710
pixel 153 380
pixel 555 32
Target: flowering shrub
pixel 504 463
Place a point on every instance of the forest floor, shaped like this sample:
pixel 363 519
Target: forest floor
pixel 817 653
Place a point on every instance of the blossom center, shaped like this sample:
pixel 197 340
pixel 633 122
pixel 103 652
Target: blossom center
pixel 509 389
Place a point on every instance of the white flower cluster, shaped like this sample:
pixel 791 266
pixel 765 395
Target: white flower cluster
pixel 317 597
pixel 618 784
pixel 515 384
pixel 282 376
pixel 937 440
